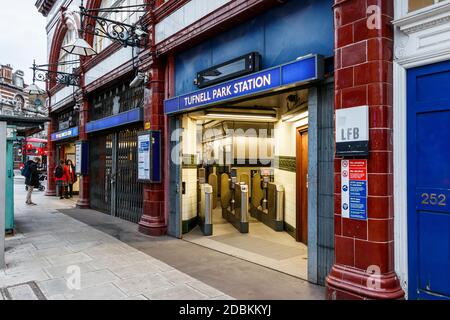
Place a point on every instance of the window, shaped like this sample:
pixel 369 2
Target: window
pixel 419 4
pixel 116 100
pixel 20 102
pixel 101 43
pixel 65 57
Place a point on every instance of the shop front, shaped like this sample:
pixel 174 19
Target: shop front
pixel 251 174
pixel 64 139
pixel 116 118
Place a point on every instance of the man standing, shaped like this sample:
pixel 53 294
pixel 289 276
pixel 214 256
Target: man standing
pixel 32 178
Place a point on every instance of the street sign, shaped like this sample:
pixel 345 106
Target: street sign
pixel 354 189
pixel 352 131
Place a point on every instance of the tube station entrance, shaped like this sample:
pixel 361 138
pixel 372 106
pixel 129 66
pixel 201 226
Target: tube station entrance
pixel 252 175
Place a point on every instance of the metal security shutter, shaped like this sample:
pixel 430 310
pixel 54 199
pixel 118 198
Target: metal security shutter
pixel 100 153
pixel 129 193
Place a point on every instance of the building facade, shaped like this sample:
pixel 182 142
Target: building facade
pixel 421 108
pixel 238 104
pixel 13 100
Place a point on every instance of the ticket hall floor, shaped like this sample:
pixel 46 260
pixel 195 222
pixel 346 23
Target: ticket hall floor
pixel 262 245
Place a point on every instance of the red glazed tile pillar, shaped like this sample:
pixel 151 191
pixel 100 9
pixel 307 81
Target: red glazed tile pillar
pixel 83 198
pixel 364 250
pixel 51 159
pixel 153 221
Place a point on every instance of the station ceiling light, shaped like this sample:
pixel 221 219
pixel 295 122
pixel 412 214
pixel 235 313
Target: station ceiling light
pixel 294 117
pixel 235 116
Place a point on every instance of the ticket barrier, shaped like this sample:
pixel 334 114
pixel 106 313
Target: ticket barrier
pixel 236 212
pixel 205 209
pixel 268 202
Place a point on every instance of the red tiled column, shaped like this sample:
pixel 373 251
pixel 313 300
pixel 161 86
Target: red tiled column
pixel 83 198
pixel 364 250
pixel 153 221
pixel 51 152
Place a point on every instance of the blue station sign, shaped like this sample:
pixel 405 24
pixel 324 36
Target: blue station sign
pixel 65 134
pixel 132 116
pixel 302 70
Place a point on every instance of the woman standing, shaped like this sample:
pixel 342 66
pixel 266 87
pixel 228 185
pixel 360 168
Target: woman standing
pixel 72 178
pixel 61 179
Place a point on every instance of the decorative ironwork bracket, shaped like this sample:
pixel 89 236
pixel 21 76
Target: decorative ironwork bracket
pixel 126 34
pixel 44 75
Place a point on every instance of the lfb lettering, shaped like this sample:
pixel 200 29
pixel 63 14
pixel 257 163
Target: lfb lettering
pixel 74 280
pixel 350 134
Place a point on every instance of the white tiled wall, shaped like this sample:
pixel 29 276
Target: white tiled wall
pixel 288 180
pixel 104 67
pixel 189 175
pixel 189 200
pixel 189 135
pixel 188 14
pixel 285 145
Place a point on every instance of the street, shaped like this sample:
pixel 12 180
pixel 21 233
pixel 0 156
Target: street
pixel 62 253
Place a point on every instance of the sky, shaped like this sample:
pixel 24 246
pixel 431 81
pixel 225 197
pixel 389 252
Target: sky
pixel 22 35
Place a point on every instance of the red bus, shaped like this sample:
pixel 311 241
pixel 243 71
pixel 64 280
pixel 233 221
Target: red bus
pixel 31 148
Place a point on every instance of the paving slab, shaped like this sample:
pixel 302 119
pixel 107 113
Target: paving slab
pixel 179 292
pixel 104 292
pixel 57 253
pixel 143 284
pixel 233 276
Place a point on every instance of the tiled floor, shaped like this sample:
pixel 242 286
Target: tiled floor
pixel 262 245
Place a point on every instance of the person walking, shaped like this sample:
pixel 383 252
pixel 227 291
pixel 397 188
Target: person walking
pixel 31 178
pixel 60 179
pixel 72 177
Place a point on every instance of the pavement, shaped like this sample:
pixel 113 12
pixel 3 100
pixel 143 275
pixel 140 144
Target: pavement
pixel 62 253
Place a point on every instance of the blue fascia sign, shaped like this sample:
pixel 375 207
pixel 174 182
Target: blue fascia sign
pixel 65 134
pixel 302 70
pixel 132 116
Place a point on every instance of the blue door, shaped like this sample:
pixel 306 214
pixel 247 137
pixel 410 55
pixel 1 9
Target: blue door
pixel 428 111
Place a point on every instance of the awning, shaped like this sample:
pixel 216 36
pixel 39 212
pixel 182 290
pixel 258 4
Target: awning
pixel 26 126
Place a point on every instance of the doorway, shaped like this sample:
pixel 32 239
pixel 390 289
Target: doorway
pixel 114 188
pixel 429 182
pixel 302 185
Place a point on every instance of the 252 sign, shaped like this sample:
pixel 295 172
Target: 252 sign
pixel 433 199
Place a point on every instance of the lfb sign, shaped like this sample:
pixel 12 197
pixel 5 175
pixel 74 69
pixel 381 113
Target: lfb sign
pixel 352 131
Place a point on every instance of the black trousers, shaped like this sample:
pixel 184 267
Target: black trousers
pixel 69 191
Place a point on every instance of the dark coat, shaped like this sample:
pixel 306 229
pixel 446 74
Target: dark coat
pixel 33 178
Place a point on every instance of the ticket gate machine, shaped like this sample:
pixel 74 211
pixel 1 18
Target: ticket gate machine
pixel 205 209
pixel 236 212
pixel 204 203
pixel 267 200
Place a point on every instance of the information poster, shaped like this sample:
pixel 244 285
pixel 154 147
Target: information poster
pixel 144 157
pixel 78 158
pixel 354 189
